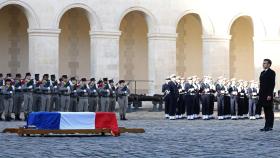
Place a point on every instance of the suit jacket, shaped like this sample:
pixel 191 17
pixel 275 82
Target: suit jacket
pixel 267 83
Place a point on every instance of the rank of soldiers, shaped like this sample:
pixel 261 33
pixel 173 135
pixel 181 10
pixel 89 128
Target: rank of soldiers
pixel 186 98
pixel 20 96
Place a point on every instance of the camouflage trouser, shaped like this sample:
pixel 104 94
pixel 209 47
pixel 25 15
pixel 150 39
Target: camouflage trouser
pixel 104 104
pixel 64 103
pixel 8 105
pixel 73 104
pixel 1 104
pixel 36 102
pixel 18 101
pixel 92 104
pixel 27 102
pixel 112 104
pixel 55 102
pixel 45 102
pixel 122 101
pixel 83 104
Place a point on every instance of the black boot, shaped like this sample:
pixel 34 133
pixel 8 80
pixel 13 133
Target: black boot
pixel 121 117
pixel 124 117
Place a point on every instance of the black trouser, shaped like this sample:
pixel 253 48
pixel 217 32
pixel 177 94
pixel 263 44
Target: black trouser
pixel 211 105
pixel 258 109
pixel 180 105
pixel 197 104
pixel 189 104
pixel 166 104
pixel 227 105
pixel 221 105
pixel 205 99
pixel 268 111
pixel 172 105
pixel 241 106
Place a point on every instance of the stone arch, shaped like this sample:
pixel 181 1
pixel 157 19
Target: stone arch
pixel 207 25
pixel 150 18
pixel 258 25
pixel 30 14
pixel 93 18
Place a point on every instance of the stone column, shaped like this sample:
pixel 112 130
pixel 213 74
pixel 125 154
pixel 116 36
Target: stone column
pixel 216 55
pixel 105 54
pixel 161 59
pixel 267 48
pixel 43 51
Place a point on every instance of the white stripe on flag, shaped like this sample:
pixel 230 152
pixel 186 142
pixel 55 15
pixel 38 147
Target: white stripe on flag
pixel 77 120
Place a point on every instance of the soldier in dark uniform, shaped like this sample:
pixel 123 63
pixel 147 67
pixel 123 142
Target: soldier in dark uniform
pixel 37 93
pixel 100 84
pixel 253 99
pixel 54 95
pixel 112 98
pixel 27 95
pixel 196 85
pixel 212 98
pixel 189 98
pixel 64 91
pixel 174 95
pixel 165 90
pixel 205 98
pixel 18 97
pixel 2 83
pixel 8 92
pixel 73 95
pixel 220 90
pixel 93 95
pixel 227 112
pixel 105 93
pixel 233 91
pixel 180 104
pixel 241 99
pixel 83 92
pixel 46 93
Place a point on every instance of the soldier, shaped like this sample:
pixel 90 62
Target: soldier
pixel 112 98
pixel 227 112
pixel 220 90
pixel 212 98
pixel 93 95
pixel 253 99
pixel 73 95
pixel 46 93
pixel 37 93
pixel 196 85
pixel 189 98
pixel 99 86
pixel 27 95
pixel 241 99
pixel 83 92
pixel 105 93
pixel 18 97
pixel 64 90
pixel 123 93
pixel 54 95
pixel 2 83
pixel 165 90
pixel 174 95
pixel 205 98
pixel 180 104
pixel 233 91
pixel 8 92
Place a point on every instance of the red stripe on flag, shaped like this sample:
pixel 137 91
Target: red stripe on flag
pixel 107 120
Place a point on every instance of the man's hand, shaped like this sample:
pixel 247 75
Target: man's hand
pixel 268 98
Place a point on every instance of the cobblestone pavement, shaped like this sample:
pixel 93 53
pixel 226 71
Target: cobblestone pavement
pixel 163 138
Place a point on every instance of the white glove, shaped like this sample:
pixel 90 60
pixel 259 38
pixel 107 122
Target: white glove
pixel 94 91
pixel 30 87
pixel 49 88
pixel 11 92
pixel 75 91
pixel 19 87
pixel 125 92
pixel 85 90
pixel 108 90
pixel 55 87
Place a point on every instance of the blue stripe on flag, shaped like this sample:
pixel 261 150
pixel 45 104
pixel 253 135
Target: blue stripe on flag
pixel 44 120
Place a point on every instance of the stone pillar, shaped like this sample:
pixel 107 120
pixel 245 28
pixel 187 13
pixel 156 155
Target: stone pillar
pixel 216 55
pixel 267 48
pixel 105 54
pixel 43 51
pixel 161 59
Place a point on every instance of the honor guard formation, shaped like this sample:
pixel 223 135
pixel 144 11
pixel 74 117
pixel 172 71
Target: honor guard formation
pixel 186 98
pixel 20 96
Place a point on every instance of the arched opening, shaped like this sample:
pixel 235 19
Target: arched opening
pixel 242 49
pixel 133 55
pixel 74 44
pixel 13 40
pixel 189 46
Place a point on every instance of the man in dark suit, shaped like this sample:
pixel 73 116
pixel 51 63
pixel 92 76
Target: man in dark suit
pixel 267 84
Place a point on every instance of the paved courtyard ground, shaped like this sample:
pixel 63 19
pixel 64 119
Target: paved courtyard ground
pixel 163 138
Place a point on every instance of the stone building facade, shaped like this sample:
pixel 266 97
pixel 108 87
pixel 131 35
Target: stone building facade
pixel 139 39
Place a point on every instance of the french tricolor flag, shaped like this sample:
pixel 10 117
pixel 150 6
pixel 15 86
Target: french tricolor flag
pixel 73 120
